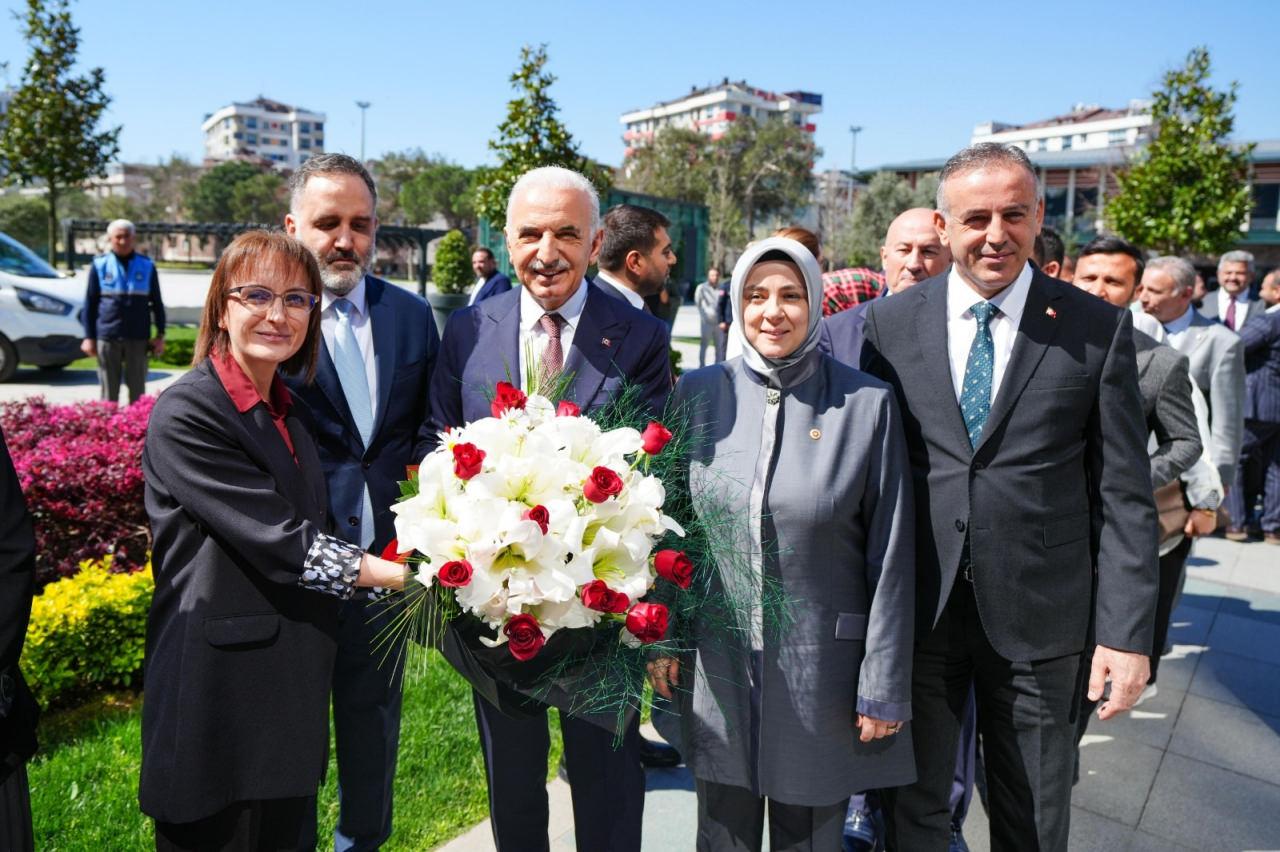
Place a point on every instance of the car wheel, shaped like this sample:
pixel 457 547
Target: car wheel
pixel 8 359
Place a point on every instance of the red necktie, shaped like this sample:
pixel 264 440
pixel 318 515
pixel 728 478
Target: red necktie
pixel 553 355
pixel 1231 315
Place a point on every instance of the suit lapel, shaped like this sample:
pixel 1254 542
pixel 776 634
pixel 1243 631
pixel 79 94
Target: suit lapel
pixel 382 331
pixel 931 332
pixel 1035 332
pixel 503 326
pixel 597 342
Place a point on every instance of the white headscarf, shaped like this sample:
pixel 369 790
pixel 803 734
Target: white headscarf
pixel 771 369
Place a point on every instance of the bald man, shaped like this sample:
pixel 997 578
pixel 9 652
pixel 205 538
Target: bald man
pixel 912 252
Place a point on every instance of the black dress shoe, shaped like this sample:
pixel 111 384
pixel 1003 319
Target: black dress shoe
pixel 654 755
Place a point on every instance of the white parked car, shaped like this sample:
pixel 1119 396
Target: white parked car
pixel 40 319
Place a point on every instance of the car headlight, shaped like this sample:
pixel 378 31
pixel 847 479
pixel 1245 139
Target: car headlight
pixel 42 304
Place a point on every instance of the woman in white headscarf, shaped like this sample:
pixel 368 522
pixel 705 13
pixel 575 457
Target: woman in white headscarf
pixel 798 689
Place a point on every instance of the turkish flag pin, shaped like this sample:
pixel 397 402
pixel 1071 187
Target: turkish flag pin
pixel 1050 313
pixel 606 342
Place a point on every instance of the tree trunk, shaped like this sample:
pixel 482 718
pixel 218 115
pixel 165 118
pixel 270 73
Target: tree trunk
pixel 53 224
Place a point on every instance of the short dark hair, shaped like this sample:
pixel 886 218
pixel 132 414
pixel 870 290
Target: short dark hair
pixel 1049 247
pixel 484 249
pixel 628 228
pixel 1115 245
pixel 249 254
pixel 981 156
pixel 328 164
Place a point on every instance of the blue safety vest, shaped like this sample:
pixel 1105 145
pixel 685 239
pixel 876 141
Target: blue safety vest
pixel 115 279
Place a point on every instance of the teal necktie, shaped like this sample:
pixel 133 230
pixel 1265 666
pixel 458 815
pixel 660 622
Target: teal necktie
pixel 975 393
pixel 349 364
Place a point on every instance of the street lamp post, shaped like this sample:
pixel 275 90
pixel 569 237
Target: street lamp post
pixel 364 105
pixel 853 162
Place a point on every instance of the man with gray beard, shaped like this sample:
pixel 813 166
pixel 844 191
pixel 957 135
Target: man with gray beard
pixel 368 400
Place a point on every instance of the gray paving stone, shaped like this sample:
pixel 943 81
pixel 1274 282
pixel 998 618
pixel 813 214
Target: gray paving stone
pixel 1115 776
pixel 1091 832
pixel 1140 841
pixel 1178 667
pixel 1151 724
pixel 1228 736
pixel 1209 808
pixel 1190 624
pixel 1237 680
pixel 1245 636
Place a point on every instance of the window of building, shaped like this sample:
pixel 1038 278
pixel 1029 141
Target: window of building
pixel 1117 137
pixel 319 126
pixel 1266 207
pixel 253 139
pixel 251 122
pixel 238 135
pixel 304 143
pixel 226 122
pixel 304 126
pixel 746 109
pixel 1066 143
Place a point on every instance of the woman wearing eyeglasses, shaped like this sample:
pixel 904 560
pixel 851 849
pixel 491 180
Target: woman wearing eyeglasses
pixel 241 634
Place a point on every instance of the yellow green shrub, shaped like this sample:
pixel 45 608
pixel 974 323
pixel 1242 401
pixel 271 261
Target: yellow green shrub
pixel 87 631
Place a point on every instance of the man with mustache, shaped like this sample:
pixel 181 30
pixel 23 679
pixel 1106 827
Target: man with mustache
pixel 368 401
pixel 555 325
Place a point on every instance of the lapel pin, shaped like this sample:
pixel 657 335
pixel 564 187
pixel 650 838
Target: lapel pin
pixel 815 434
pixel 606 342
pixel 1050 313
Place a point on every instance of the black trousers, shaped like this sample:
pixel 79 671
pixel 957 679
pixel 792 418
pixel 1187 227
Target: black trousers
pixel 15 812
pixel 731 819
pixel 263 825
pixel 1026 715
pixel 1172 564
pixel 607 783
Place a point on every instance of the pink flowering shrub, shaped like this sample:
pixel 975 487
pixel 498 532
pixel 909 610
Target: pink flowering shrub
pixel 80 467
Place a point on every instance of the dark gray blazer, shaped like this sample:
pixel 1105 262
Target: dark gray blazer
pixel 1252 308
pixel 18 710
pixel 1165 383
pixel 840 335
pixel 1059 481
pixel 239 657
pixel 1260 339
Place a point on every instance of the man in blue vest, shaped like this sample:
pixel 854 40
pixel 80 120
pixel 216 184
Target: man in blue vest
pixel 122 297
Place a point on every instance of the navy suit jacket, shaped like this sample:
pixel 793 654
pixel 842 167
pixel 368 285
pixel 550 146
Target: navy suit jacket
pixel 612 341
pixel 406 346
pixel 495 284
pixel 840 335
pixel 1261 339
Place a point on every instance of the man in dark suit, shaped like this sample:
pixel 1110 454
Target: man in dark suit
pixel 555 324
pixel 18 709
pixel 1232 305
pixel 1256 475
pixel 911 253
pixel 636 258
pixel 368 401
pixel 1028 450
pixel 489 281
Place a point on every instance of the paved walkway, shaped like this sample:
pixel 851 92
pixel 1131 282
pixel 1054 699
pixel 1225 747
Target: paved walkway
pixel 1197 767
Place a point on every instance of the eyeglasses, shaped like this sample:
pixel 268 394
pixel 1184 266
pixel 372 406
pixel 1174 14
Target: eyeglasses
pixel 259 299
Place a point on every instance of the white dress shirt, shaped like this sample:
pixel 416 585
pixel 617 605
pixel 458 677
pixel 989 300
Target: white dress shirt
pixel 1273 308
pixel 962 327
pixel 475 290
pixel 1242 306
pixel 1177 329
pixel 636 300
pixel 533 338
pixel 363 330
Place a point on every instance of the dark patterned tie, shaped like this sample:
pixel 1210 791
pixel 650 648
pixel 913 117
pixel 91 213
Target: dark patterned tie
pixel 1231 315
pixel 975 393
pixel 553 355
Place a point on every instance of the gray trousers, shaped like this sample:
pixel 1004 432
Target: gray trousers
pixel 133 354
pixel 711 336
pixel 731 819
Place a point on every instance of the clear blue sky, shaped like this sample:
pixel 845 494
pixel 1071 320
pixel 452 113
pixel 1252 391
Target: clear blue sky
pixel 916 76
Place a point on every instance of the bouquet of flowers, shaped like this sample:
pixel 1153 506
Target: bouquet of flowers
pixel 536 520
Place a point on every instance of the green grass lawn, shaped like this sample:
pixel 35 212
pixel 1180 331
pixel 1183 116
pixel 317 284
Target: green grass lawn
pixel 84 782
pixel 179 343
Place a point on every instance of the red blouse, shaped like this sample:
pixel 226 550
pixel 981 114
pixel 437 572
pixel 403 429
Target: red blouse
pixel 245 396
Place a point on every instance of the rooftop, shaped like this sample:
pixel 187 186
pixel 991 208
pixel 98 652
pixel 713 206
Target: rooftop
pixel 1265 151
pixel 740 85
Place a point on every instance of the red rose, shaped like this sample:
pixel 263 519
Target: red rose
pixel 568 409
pixel 467 459
pixel 540 516
pixel 602 484
pixel 454 574
pixel 647 621
pixel 507 396
pixel 674 565
pixel 392 552
pixel 655 437
pixel 524 637
pixel 598 596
